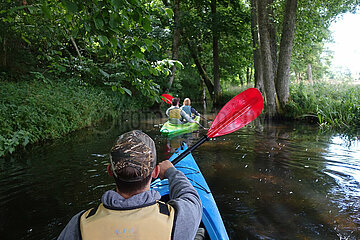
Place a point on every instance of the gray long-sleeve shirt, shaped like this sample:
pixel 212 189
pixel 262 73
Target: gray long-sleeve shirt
pixel 183 197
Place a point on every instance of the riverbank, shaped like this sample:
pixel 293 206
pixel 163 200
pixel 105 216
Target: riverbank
pixel 38 110
pixel 335 105
pixel 331 105
pixel 33 111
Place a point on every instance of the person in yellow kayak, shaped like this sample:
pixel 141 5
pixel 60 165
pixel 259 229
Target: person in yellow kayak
pixel 134 210
pixel 188 109
pixel 177 115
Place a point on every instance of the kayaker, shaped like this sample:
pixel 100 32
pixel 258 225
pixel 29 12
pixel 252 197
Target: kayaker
pixel 177 115
pixel 134 211
pixel 188 109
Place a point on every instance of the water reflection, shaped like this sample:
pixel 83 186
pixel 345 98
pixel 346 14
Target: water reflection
pixel 343 165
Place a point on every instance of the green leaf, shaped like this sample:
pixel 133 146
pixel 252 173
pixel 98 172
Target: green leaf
pixel 114 88
pixel 139 54
pixel 117 4
pixel 70 6
pixel 136 16
pixel 105 74
pixel 99 23
pixel 127 91
pixel 126 24
pixel 74 32
pixel 103 39
pixel 156 46
pixel 113 21
pixel 26 40
pixel 178 64
pixel 26 140
pixel 148 43
pixel 46 11
pixel 68 17
pixel 146 24
pixel 169 12
pixel 113 42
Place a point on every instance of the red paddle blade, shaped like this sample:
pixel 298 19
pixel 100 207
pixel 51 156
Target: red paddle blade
pixel 166 98
pixel 238 112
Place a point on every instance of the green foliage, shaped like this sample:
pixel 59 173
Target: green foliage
pixel 312 30
pixel 232 25
pixel 333 105
pixel 35 110
pixel 98 42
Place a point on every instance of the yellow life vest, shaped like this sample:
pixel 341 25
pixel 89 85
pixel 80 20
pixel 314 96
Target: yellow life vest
pixel 150 222
pixel 175 113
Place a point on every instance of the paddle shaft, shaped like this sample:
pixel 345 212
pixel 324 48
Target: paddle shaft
pixel 205 118
pixel 187 151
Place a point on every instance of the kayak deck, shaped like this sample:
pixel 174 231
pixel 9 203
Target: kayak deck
pixel 169 129
pixel 211 219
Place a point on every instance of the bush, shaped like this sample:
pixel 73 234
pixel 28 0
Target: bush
pixel 36 110
pixel 334 105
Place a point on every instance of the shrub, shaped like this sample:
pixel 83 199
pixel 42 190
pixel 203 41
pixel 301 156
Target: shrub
pixel 36 110
pixel 336 105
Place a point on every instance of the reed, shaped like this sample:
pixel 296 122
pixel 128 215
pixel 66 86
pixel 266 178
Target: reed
pixel 334 105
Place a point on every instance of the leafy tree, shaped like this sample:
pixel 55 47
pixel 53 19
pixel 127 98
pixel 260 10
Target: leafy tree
pixel 100 42
pixel 311 29
pixel 230 25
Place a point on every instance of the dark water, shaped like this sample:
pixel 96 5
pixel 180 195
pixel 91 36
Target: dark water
pixel 270 181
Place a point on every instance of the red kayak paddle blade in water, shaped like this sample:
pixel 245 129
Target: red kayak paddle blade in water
pixel 238 112
pixel 166 98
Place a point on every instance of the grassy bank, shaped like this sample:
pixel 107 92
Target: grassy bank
pixel 329 104
pixel 332 105
pixel 32 111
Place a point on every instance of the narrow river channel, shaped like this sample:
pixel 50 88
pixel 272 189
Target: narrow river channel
pixel 270 180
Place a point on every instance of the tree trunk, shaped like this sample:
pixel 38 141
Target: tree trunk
pixel 248 76
pixel 216 68
pixel 282 81
pixel 309 73
pixel 176 42
pixel 75 46
pixel 272 35
pixel 259 83
pixel 203 95
pixel 266 58
pixel 201 70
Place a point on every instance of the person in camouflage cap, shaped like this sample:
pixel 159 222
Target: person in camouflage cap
pixel 132 160
pixel 133 157
pixel 134 210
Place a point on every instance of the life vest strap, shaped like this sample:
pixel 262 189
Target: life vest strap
pixel 164 208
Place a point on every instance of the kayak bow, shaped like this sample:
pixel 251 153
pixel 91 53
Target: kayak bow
pixel 211 219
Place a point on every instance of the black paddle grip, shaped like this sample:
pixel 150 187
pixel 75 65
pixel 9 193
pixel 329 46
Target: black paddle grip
pixel 187 151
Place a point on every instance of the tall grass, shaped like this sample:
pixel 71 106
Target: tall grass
pixel 333 105
pixel 36 110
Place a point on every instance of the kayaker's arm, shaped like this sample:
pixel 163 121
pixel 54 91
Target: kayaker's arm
pixel 186 201
pixel 72 229
pixel 187 117
pixel 194 111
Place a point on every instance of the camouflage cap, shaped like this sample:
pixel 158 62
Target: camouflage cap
pixel 133 157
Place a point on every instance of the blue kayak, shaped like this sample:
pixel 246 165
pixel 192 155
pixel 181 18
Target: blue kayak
pixel 211 219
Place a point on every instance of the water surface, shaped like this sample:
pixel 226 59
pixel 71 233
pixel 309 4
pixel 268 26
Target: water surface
pixel 270 180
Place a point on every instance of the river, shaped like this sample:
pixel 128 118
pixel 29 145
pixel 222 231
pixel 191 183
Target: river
pixel 270 180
